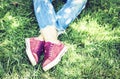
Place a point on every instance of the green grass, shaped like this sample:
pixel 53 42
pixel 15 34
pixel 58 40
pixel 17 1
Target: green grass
pixel 93 41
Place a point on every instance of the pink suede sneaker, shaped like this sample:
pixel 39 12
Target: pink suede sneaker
pixel 52 54
pixel 34 48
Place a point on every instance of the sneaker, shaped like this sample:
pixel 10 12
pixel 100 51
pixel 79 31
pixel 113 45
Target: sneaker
pixel 34 48
pixel 52 54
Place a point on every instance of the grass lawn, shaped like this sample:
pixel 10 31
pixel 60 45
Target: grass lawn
pixel 93 41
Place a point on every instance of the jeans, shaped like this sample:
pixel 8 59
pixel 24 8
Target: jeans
pixel 46 15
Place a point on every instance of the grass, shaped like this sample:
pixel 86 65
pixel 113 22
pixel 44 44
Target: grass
pixel 93 41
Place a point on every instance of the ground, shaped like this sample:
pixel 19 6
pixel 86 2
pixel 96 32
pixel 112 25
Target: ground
pixel 93 42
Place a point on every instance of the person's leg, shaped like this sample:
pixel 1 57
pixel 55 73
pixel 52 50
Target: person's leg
pixel 69 12
pixel 46 18
pixel 53 48
pixel 35 45
pixel 40 37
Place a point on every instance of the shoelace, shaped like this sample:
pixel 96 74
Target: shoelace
pixel 48 50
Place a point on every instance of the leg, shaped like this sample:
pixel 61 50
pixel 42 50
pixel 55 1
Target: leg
pixel 46 18
pixel 35 45
pixel 53 48
pixel 45 13
pixel 69 12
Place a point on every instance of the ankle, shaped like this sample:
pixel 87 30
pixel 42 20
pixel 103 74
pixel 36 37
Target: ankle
pixel 40 38
pixel 53 41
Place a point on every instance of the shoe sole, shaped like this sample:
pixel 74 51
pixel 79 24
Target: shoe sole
pixel 56 60
pixel 29 53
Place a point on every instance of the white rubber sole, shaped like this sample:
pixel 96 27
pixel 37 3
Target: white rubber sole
pixel 29 53
pixel 56 60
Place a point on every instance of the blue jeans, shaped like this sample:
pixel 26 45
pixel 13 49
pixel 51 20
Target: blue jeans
pixel 46 15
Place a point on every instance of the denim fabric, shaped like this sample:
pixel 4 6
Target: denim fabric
pixel 46 15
